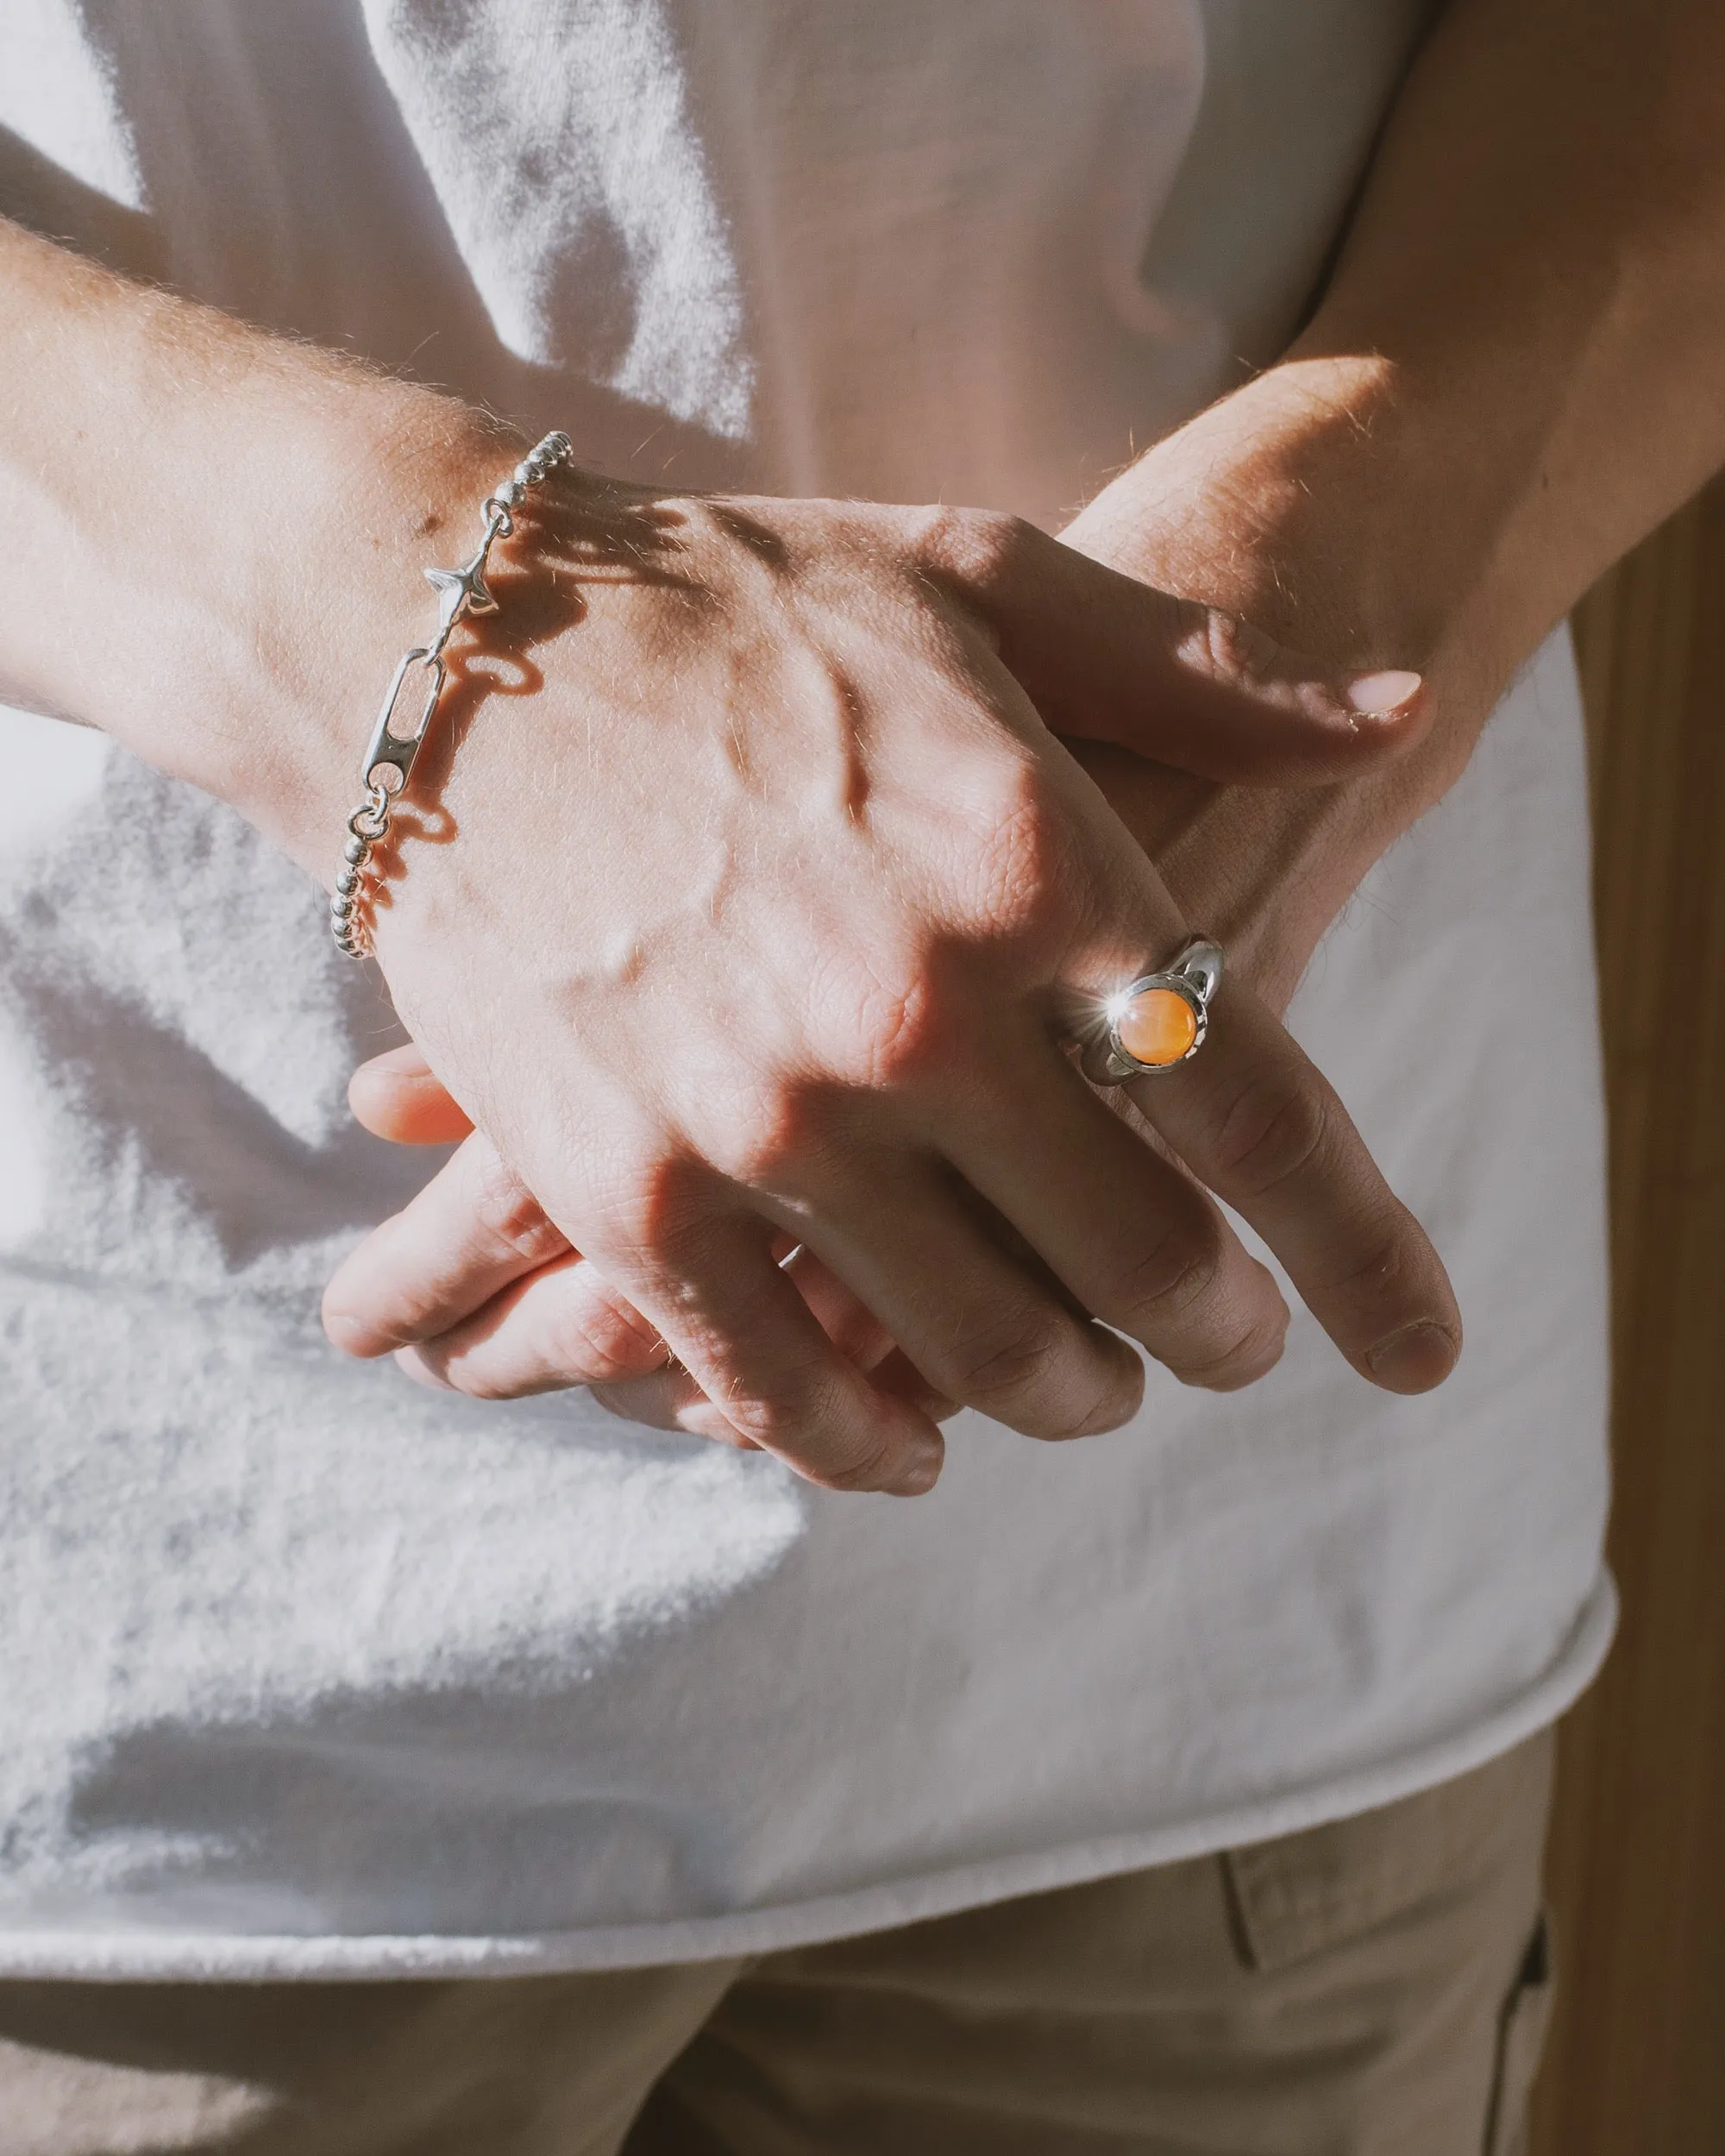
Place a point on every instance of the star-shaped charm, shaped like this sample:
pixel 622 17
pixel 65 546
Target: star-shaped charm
pixel 461 591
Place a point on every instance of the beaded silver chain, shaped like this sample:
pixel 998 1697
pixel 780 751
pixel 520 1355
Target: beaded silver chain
pixel 388 760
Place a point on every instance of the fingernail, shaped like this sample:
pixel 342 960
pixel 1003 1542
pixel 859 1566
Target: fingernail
pixel 356 1337
pixel 1416 1359
pixel 1379 695
pixel 920 1472
pixel 409 1361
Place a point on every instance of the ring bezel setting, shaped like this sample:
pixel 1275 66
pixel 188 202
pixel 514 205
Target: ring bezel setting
pixel 1194 977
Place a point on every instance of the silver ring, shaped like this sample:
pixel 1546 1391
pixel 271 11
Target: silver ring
pixel 1163 1015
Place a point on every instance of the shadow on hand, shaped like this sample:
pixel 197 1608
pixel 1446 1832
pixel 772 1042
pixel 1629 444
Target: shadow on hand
pixel 561 546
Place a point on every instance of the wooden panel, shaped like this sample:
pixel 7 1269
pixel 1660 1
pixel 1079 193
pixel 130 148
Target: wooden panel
pixel 1636 2064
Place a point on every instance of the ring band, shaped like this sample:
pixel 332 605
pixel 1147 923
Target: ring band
pixel 1156 1022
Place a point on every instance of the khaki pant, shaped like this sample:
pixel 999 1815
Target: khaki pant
pixel 1374 1988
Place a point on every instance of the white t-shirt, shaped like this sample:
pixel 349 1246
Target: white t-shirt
pixel 306 1671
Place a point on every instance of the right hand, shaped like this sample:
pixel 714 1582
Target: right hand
pixel 758 923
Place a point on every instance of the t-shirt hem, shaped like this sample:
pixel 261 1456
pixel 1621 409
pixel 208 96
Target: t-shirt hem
pixel 139 1956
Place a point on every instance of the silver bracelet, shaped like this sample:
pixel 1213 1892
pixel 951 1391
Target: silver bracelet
pixel 388 760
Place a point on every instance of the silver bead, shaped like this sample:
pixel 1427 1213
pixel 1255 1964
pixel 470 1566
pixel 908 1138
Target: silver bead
pixel 340 908
pixel 524 474
pixel 356 851
pixel 348 881
pixel 509 493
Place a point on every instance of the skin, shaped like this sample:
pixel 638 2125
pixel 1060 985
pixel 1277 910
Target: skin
pixel 1517 369
pixel 762 782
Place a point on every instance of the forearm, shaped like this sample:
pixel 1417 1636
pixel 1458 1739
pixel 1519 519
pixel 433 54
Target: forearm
pixel 1536 275
pixel 1517 369
pixel 214 526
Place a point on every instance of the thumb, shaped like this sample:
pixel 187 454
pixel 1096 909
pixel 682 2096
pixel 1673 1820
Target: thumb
pixel 397 1095
pixel 1108 658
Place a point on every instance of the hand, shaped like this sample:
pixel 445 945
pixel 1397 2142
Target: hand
pixel 758 919
pixel 1271 1137
pixel 1457 447
pixel 552 1323
pixel 1295 501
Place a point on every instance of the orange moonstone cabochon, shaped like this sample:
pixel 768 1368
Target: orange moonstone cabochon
pixel 1158 1026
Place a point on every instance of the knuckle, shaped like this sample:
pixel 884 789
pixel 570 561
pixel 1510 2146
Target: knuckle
pixel 1174 1280
pixel 1245 1358
pixel 781 1416
pixel 870 1470
pixel 1271 1132
pixel 484 1383
pixel 601 1339
pixel 780 1123
pixel 1005 1358
pixel 1222 646
pixel 452 1361
pixel 512 1217
pixel 905 1032
pixel 888 1025
pixel 977 548
pixel 805 1417
pixel 651 1203
pixel 1025 859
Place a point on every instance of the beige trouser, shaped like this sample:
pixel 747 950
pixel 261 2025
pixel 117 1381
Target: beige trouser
pixel 1373 1987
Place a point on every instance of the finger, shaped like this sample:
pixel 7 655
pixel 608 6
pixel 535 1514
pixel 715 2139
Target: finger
pixel 562 1325
pixel 670 1400
pixel 565 1326
pixel 1256 1121
pixel 1112 659
pixel 751 1344
pixel 473 1228
pixel 1131 1237
pixel 982 1325
pixel 847 1321
pixel 397 1096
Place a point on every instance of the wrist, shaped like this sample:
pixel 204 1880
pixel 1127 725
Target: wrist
pixel 1312 503
pixel 1328 502
pixel 224 533
pixel 319 593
